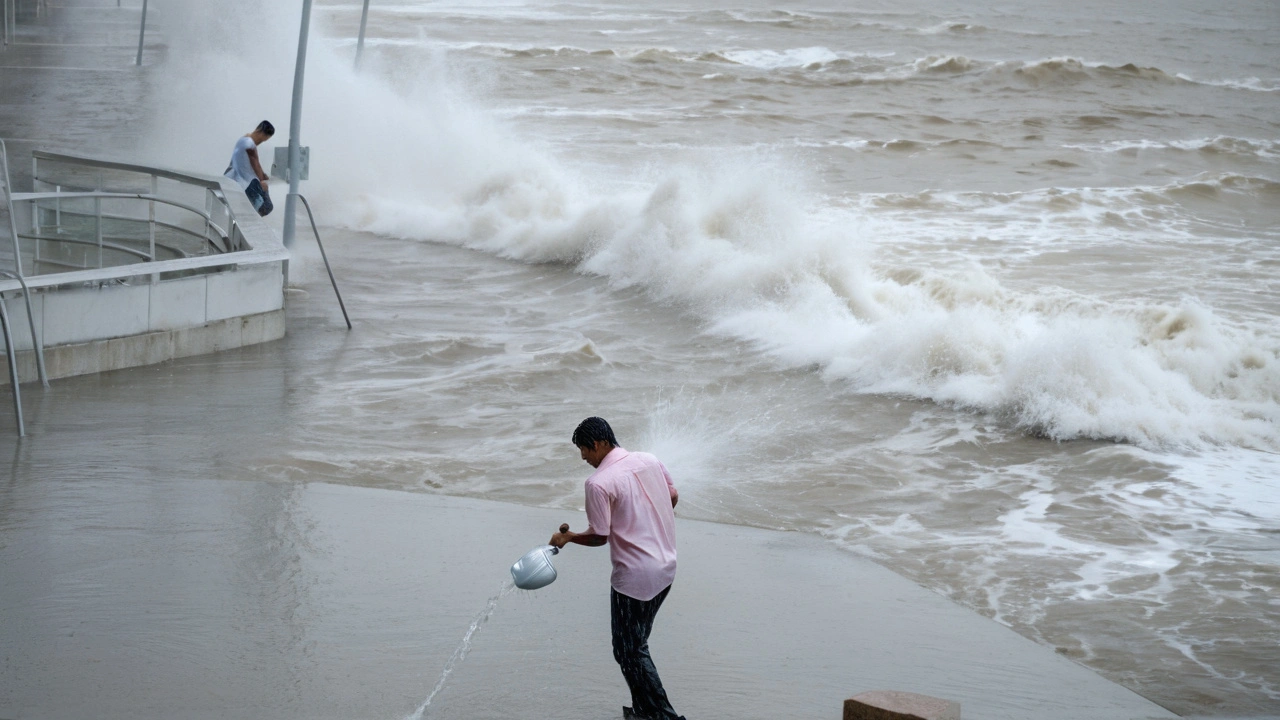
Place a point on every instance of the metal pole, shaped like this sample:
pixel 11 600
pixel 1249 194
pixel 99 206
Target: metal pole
pixel 325 257
pixel 35 204
pixel 151 221
pixel 13 368
pixel 295 128
pixel 37 346
pixel 208 219
pixel 97 214
pixel 142 32
pixel 364 22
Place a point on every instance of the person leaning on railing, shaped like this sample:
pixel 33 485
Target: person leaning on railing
pixel 246 170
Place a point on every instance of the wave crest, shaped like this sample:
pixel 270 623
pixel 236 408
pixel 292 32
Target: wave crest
pixel 732 247
pixel 732 243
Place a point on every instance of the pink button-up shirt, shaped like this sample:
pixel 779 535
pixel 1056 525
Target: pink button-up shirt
pixel 629 500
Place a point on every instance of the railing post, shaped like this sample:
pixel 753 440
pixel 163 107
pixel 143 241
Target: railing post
pixel 7 183
pixel 97 217
pixel 35 221
pixel 324 257
pixel 142 31
pixel 151 218
pixel 35 204
pixel 364 21
pixel 151 222
pixel 13 367
pixel 295 128
pixel 208 219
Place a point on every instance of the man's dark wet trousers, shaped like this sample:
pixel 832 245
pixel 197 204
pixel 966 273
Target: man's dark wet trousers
pixel 632 621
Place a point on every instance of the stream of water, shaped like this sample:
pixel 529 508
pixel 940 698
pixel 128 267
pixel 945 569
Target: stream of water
pixel 460 653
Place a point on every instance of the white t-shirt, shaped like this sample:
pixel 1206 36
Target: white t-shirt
pixel 240 170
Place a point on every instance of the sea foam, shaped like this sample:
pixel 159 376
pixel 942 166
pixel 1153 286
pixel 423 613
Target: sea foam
pixel 734 240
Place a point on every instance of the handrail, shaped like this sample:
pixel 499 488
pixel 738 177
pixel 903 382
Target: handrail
pixel 37 343
pixel 8 198
pixel 109 216
pixel 325 257
pixel 223 235
pixel 13 368
pixel 115 247
pixel 206 181
pixel 11 351
pixel 116 272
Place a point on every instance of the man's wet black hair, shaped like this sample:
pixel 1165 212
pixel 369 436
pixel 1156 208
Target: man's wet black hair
pixel 266 127
pixel 593 430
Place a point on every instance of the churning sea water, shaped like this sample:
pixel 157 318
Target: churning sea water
pixel 988 293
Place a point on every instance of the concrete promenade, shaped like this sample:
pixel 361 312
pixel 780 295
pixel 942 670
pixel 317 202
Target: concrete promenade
pixel 164 597
pixel 154 576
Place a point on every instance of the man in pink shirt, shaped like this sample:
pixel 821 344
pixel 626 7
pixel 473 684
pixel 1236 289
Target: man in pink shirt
pixel 631 507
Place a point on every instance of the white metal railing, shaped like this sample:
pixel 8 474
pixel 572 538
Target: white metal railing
pixel 16 276
pixel 12 353
pixel 220 231
pixel 220 235
pixel 67 179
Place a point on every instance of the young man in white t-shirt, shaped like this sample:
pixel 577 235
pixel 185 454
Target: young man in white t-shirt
pixel 246 170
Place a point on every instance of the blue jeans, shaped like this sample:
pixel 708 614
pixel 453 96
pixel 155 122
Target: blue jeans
pixel 259 197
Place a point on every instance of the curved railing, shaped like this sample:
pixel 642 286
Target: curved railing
pixel 79 215
pixel 96 221
pixel 213 238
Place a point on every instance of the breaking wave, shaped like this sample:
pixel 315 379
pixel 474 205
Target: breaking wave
pixel 732 247
pixel 821 65
pixel 1220 145
pixel 735 243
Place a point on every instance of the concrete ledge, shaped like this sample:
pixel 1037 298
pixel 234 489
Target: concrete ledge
pixel 148 348
pixel 896 705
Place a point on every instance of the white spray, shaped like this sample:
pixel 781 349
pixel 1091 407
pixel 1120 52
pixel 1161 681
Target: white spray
pixel 736 240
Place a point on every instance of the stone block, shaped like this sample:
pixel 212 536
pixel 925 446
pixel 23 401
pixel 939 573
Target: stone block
pixel 191 341
pixel 896 705
pixel 261 328
pixel 70 360
pixel 27 371
pixel 135 350
pixel 157 347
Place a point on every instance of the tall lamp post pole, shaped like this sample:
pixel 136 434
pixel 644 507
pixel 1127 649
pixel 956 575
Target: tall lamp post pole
pixel 364 22
pixel 295 127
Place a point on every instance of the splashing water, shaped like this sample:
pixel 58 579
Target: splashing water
pixel 460 652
